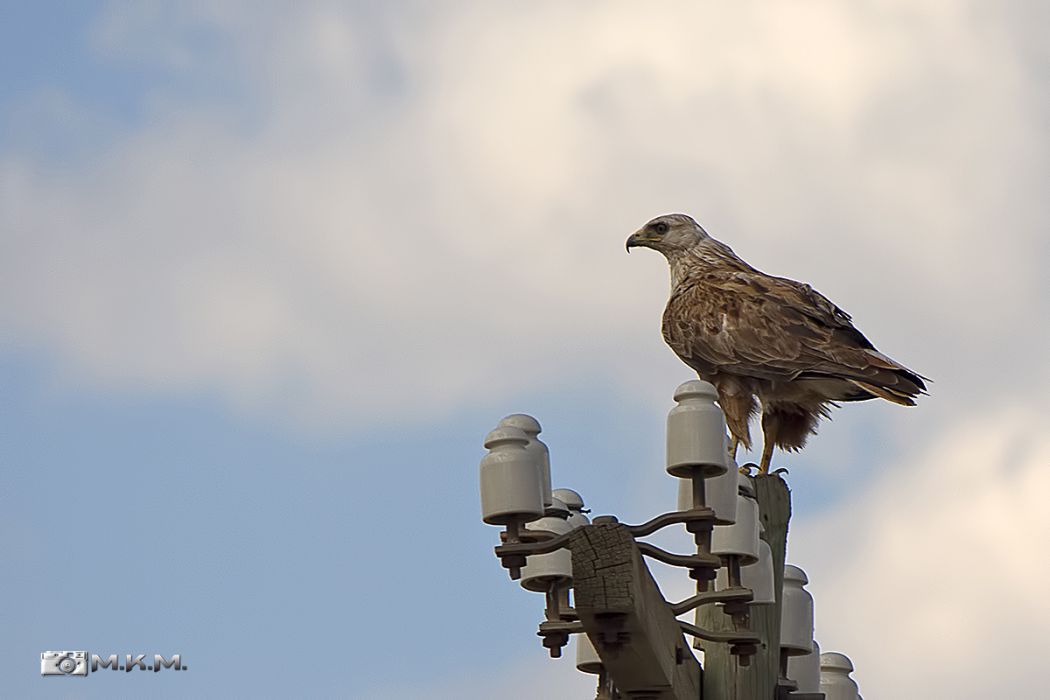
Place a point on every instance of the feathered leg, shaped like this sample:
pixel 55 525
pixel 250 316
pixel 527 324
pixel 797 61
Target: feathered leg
pixel 738 403
pixel 787 426
pixel 768 440
pixel 770 429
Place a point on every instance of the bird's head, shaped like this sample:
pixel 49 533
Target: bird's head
pixel 668 234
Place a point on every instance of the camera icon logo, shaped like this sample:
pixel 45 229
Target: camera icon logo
pixel 63 663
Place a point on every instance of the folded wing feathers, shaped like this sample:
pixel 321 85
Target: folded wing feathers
pixel 751 324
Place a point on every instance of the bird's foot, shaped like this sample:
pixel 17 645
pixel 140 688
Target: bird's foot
pixel 746 469
pixel 782 470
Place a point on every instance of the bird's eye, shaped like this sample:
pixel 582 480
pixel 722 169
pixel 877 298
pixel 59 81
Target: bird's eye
pixel 661 227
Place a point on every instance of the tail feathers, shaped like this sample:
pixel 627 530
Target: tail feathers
pixel 916 380
pixel 889 393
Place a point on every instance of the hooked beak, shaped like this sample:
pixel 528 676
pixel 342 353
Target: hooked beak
pixel 637 240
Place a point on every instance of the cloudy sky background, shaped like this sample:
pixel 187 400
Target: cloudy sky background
pixel 269 272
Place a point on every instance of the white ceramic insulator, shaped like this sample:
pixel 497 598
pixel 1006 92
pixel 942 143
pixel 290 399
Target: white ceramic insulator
pixel 510 479
pixel 696 432
pixel 796 613
pixel 536 447
pixel 574 501
pixel 720 494
pixel 587 659
pixel 722 491
pixel 557 508
pixel 578 520
pixel 685 494
pixel 758 576
pixel 541 570
pixel 570 498
pixel 805 670
pixel 740 538
pixel 835 682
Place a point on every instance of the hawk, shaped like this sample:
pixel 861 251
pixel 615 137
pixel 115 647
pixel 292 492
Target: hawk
pixel 766 339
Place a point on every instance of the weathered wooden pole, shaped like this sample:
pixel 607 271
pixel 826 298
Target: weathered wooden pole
pixel 631 626
pixel 724 677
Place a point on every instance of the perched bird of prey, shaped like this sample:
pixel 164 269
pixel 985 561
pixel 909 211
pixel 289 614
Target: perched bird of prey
pixel 753 335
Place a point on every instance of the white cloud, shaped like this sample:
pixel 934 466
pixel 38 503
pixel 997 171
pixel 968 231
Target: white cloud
pixel 933 579
pixel 399 202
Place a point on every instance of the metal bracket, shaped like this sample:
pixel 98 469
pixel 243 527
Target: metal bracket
pixel 727 595
pixel 742 644
pixel 695 517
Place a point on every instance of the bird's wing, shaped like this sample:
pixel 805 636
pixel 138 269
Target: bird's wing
pixel 751 324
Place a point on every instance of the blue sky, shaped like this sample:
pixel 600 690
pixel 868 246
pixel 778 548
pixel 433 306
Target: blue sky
pixel 269 273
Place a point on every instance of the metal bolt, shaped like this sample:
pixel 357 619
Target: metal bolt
pixel 554 641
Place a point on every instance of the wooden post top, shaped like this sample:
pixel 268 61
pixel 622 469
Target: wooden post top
pixel 627 619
